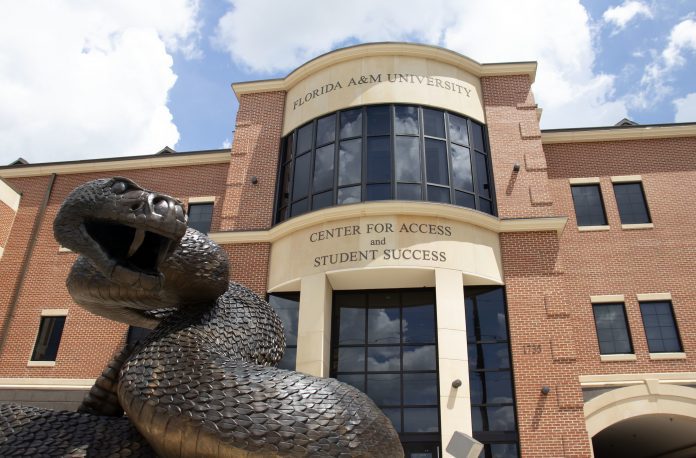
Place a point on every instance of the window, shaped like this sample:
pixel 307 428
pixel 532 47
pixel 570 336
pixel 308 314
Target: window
pixel 385 344
pixel 660 328
pixel 384 152
pixel 287 306
pixel 630 199
pixel 589 207
pixel 48 339
pixel 612 329
pixel 200 215
pixel 490 373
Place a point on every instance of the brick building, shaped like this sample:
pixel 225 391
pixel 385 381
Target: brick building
pixel 423 240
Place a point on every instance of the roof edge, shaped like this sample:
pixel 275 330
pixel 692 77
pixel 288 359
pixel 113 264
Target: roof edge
pixel 617 133
pixel 386 49
pixel 117 163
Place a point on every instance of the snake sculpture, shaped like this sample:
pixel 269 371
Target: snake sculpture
pixel 203 383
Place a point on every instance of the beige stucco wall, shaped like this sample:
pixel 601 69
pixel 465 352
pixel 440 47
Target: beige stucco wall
pixel 383 79
pixel 404 244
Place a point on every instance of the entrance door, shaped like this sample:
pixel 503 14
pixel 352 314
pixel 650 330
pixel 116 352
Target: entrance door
pixel 385 344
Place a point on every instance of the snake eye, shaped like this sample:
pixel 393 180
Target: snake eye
pixel 119 187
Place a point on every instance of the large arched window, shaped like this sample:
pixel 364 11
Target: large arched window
pixel 384 152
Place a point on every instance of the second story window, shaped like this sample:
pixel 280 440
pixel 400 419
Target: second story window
pixel 48 339
pixel 589 207
pixel 200 216
pixel 612 329
pixel 660 328
pixel 630 199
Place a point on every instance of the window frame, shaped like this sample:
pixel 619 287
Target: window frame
pixel 674 323
pixel 586 183
pixel 596 305
pixel 284 199
pixel 200 201
pixel 406 437
pixel 619 182
pixel 290 295
pixel 46 316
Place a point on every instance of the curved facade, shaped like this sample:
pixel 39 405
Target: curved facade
pixel 423 240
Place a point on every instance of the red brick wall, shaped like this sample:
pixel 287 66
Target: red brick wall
pixel 6 219
pixel 249 265
pixel 513 132
pixel 255 151
pixel 549 280
pixel 88 341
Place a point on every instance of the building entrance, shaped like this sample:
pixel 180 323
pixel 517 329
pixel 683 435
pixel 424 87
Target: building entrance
pixel 385 344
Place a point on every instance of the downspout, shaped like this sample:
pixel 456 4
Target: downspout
pixel 25 264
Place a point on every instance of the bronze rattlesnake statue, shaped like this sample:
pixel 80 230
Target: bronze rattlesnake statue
pixel 203 383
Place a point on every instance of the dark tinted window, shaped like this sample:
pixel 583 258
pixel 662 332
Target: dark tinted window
pixel 378 120
pixel 287 306
pixel 631 202
pixel 48 339
pixel 660 328
pixel 589 208
pixel 378 160
pixel 384 343
pixel 436 161
pixel 612 329
pixel 490 374
pixel 326 130
pixel 200 216
pixel 384 152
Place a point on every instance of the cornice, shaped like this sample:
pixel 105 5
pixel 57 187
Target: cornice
pixel 386 49
pixel 617 133
pixel 169 160
pixel 428 209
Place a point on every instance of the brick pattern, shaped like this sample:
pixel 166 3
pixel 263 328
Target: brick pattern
pixel 88 341
pixel 249 265
pixel 7 216
pixel 255 152
pixel 549 280
pixel 513 132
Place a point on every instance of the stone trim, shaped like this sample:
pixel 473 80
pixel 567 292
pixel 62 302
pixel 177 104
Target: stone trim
pixel 654 297
pixel 585 180
pixel 618 357
pixel 593 228
pixel 618 133
pixel 607 298
pixel 30 383
pixel 629 227
pixel 626 179
pixel 54 312
pixel 668 356
pixel 476 218
pixel 202 200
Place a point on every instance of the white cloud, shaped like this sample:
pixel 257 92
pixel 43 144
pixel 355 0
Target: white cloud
pixel 90 79
pixel 556 33
pixel 621 15
pixel 686 108
pixel 656 81
pixel 227 143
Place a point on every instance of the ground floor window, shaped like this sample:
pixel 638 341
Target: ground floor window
pixel 490 373
pixel 385 344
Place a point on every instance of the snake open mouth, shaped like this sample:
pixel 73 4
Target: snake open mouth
pixel 135 249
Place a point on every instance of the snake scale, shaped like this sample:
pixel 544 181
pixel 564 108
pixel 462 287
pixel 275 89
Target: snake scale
pixel 204 382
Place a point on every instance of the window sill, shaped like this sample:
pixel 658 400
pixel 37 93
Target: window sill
pixel 41 363
pixel 670 355
pixel 593 228
pixel 618 357
pixel 628 227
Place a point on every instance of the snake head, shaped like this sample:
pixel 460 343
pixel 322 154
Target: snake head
pixel 125 231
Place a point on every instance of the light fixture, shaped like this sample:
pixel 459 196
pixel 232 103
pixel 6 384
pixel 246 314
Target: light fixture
pixel 254 180
pixel 457 383
pixel 545 390
pixel 516 167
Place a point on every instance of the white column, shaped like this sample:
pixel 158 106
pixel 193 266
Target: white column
pixel 455 403
pixel 314 326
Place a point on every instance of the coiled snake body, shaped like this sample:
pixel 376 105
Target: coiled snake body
pixel 203 383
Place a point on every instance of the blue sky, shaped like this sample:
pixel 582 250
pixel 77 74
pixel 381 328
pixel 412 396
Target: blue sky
pixel 87 79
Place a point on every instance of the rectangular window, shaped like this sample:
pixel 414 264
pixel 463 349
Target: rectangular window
pixel 200 216
pixel 660 327
pixel 287 306
pixel 490 373
pixel 48 339
pixel 630 199
pixel 589 207
pixel 612 329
